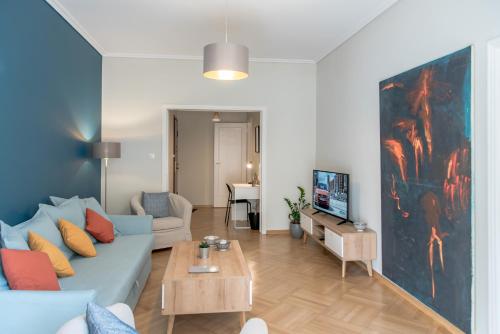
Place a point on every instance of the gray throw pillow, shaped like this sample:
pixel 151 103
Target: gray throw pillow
pixel 155 204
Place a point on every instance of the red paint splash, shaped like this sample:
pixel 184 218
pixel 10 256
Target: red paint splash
pixel 422 107
pixel 432 211
pixel 396 149
pixel 393 85
pixel 456 186
pixel 397 199
pixel 410 126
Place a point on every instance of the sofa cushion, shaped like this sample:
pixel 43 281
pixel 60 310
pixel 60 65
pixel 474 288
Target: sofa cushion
pixel 114 271
pixel 167 223
pixel 69 210
pixel 27 270
pixel 11 238
pixel 156 204
pixel 44 226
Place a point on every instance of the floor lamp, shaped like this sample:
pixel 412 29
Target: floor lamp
pixel 106 151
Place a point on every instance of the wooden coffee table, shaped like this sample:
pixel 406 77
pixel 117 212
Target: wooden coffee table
pixel 229 290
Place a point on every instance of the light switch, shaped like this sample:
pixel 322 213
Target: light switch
pixel 152 156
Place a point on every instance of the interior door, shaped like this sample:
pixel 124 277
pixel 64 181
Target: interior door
pixel 230 152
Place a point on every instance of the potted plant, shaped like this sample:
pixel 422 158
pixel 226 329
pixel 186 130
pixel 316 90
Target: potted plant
pixel 294 215
pixel 204 250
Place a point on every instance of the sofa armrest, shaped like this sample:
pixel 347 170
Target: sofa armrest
pixel 130 225
pixel 181 208
pixel 136 206
pixel 26 312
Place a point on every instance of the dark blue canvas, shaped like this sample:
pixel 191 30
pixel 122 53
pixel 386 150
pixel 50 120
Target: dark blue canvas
pixel 50 109
pixel 425 139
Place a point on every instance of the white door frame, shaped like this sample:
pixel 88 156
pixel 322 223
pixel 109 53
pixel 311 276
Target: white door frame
pixel 494 184
pixel 211 108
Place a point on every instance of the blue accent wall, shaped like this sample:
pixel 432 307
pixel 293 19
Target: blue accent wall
pixel 50 109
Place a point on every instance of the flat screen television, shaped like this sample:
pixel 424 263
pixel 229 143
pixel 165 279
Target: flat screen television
pixel 331 193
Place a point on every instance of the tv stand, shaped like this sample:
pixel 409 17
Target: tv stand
pixel 340 238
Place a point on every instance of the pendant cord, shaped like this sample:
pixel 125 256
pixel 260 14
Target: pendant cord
pixel 225 18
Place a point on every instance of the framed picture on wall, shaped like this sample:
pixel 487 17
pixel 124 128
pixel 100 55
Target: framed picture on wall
pixel 257 138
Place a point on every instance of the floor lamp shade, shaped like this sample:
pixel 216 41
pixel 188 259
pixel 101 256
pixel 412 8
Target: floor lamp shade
pixel 225 61
pixel 106 150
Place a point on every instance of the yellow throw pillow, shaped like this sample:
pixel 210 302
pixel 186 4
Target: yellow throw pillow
pixel 76 239
pixel 59 261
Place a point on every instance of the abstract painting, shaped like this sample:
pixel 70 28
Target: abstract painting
pixel 425 145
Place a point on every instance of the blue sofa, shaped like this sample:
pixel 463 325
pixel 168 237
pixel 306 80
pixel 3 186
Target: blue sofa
pixel 117 274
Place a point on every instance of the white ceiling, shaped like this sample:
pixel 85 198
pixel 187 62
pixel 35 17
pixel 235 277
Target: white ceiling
pixel 291 30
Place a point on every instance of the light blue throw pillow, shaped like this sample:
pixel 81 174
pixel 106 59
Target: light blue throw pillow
pixel 59 200
pixel 4 285
pixel 101 321
pixel 11 238
pixel 43 225
pixel 69 210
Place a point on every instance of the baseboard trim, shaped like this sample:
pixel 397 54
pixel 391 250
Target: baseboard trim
pixel 417 303
pixel 277 232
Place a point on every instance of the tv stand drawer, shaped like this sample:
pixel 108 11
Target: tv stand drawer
pixel 334 242
pixel 306 223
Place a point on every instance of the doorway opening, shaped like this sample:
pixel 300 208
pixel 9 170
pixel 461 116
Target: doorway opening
pixel 211 152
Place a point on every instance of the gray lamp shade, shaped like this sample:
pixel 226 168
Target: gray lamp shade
pixel 106 150
pixel 225 61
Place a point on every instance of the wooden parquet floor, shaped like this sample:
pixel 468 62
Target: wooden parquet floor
pixel 297 289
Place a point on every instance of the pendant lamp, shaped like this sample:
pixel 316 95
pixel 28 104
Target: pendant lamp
pixel 224 60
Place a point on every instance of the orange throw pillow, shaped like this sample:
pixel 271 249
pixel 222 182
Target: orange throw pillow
pixel 28 270
pixel 76 239
pixel 99 227
pixel 56 256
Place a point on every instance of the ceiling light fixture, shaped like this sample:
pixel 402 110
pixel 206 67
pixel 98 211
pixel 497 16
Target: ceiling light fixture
pixel 224 60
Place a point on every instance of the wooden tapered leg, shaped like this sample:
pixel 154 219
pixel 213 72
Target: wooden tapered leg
pixel 243 319
pixel 369 268
pixel 304 239
pixel 344 263
pixel 170 326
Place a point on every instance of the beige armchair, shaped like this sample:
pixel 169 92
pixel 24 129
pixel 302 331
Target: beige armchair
pixel 167 230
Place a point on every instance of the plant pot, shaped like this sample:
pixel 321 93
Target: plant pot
pixel 204 253
pixel 254 219
pixel 296 231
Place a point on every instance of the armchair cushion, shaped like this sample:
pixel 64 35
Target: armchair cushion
pixel 156 204
pixel 167 223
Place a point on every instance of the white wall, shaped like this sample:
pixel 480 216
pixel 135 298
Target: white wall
pixel 409 34
pixel 135 89
pixel 196 153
